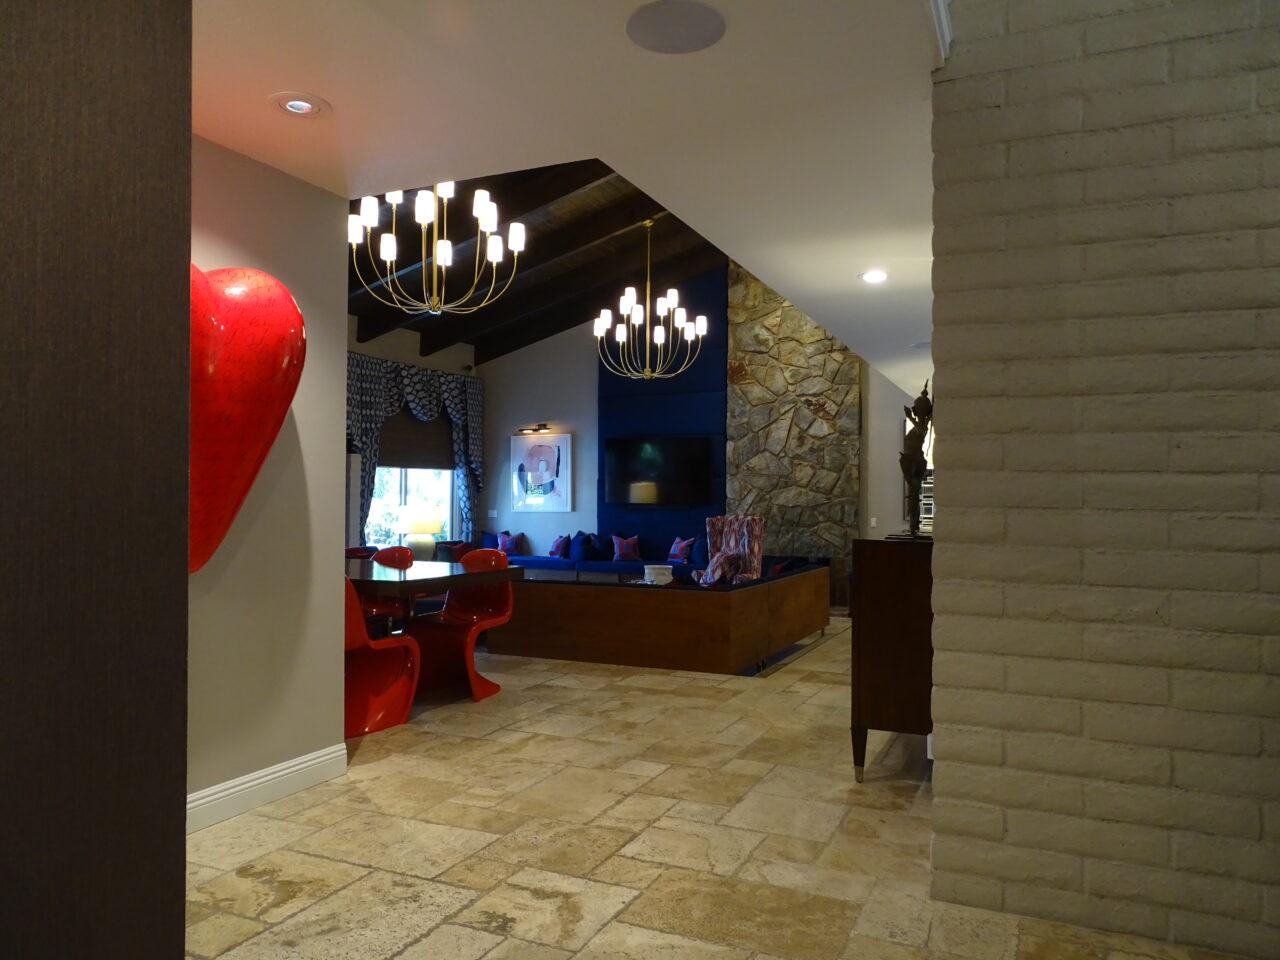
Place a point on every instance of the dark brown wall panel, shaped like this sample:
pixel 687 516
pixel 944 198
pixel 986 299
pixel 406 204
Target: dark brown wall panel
pixel 94 241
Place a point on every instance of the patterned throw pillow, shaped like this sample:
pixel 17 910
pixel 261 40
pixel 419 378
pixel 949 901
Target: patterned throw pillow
pixel 681 550
pixel 509 543
pixel 626 548
pixel 560 548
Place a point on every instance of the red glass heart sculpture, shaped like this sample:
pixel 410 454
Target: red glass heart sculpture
pixel 248 344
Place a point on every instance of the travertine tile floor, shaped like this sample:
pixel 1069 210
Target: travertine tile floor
pixel 611 813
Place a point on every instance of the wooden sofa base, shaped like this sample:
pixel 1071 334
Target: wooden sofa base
pixel 712 631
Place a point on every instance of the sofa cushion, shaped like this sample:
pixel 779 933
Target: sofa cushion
pixel 488 540
pixel 511 543
pixel 560 547
pixel 535 562
pixel 634 567
pixel 603 546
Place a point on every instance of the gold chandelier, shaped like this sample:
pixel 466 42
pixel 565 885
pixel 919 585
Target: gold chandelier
pixel 431 212
pixel 653 341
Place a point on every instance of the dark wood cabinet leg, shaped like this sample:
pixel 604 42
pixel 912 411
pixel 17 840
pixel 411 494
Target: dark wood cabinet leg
pixel 859 751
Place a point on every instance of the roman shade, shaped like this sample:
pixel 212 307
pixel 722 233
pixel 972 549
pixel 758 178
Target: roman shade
pixel 406 441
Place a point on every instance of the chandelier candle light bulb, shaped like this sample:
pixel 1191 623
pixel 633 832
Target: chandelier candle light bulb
pixel 640 350
pixel 424 206
pixel 390 285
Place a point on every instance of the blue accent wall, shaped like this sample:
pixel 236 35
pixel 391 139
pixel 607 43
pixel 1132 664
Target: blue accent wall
pixel 692 404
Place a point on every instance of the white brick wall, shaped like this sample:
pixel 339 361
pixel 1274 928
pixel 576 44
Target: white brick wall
pixel 1107 566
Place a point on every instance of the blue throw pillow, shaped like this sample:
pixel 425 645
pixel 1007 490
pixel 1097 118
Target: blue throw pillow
pixel 581 548
pixel 680 550
pixel 488 540
pixel 603 546
pixel 701 553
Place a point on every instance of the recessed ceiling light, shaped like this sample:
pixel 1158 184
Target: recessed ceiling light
pixel 874 276
pixel 675 26
pixel 299 104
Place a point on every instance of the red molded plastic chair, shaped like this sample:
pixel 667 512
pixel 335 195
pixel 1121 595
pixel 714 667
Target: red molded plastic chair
pixel 448 639
pixel 386 607
pixel 399 557
pixel 381 675
pixel 361 553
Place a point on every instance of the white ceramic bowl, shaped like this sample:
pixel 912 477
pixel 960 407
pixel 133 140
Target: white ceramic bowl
pixel 657 573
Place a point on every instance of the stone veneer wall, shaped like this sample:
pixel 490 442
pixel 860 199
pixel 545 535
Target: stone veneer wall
pixel 1107 584
pixel 794 424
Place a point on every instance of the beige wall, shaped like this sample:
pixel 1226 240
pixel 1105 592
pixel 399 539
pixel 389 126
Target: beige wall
pixel 1107 589
pixel 265 648
pixel 552 381
pixel 881 487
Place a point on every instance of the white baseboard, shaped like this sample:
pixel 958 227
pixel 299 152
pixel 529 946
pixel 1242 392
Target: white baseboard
pixel 225 800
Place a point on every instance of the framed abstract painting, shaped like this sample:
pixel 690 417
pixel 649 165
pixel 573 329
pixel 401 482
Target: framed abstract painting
pixel 542 473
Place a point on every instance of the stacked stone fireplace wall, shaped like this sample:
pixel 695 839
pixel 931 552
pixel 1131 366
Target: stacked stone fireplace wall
pixel 794 424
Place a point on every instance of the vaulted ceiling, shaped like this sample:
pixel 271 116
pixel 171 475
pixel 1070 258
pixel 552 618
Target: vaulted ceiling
pixel 587 231
pixel 798 145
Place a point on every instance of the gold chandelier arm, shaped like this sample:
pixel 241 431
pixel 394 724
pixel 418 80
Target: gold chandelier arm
pixel 475 280
pixel 355 262
pixel 423 232
pixel 403 300
pixel 457 305
pixel 401 294
pixel 633 346
pixel 607 360
pixel 692 354
pixel 515 257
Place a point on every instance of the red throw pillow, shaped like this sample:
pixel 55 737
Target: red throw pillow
pixel 560 548
pixel 626 548
pixel 509 543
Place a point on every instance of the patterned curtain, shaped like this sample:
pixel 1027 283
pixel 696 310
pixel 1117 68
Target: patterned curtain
pixel 377 389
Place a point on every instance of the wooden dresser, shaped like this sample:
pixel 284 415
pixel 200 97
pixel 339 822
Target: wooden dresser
pixel 889 603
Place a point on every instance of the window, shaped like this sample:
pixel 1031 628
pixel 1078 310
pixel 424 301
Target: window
pixel 399 492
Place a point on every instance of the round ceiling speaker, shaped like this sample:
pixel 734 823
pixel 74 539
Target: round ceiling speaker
pixel 675 26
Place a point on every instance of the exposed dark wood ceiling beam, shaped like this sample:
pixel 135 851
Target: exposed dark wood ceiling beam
pixel 599 276
pixel 579 309
pixel 531 195
pixel 439 333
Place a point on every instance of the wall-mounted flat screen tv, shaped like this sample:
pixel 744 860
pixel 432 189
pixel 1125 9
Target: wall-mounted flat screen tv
pixel 657 471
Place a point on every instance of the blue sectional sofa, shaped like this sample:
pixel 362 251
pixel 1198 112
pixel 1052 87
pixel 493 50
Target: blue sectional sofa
pixel 594 569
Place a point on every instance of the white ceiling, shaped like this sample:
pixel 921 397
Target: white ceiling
pixel 799 144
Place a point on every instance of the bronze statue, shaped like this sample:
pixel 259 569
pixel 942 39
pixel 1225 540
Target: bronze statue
pixel 912 460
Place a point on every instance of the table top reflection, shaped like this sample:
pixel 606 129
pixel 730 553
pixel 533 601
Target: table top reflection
pixel 424 572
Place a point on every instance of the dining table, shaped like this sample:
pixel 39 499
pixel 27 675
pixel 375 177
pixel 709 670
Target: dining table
pixel 422 577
